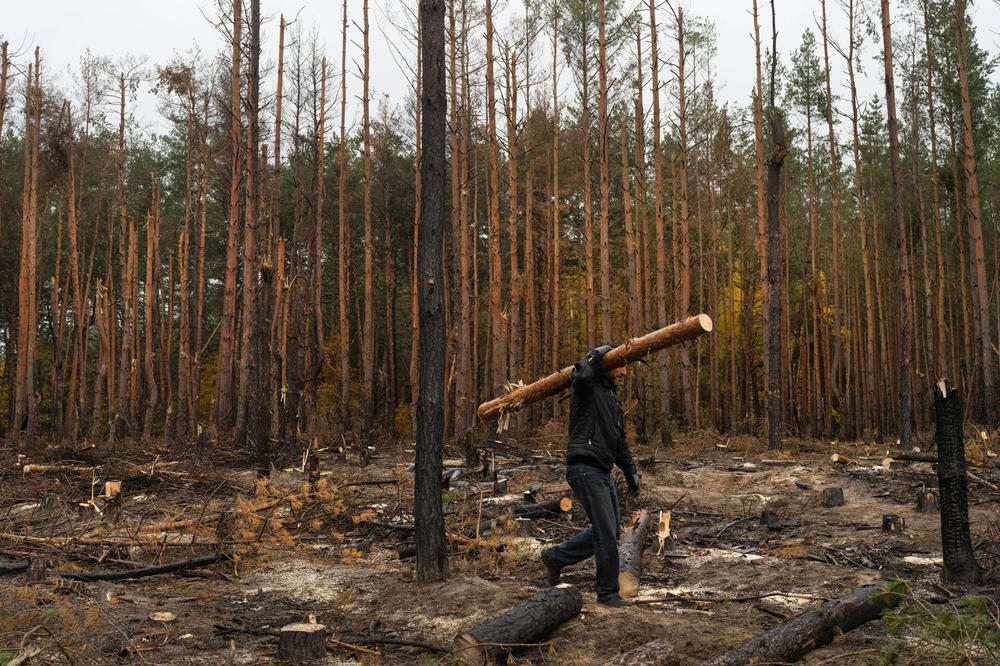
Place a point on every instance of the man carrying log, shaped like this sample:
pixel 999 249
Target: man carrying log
pixel 596 443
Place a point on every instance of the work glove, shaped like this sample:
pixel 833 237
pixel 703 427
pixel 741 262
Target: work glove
pixel 633 484
pixel 594 356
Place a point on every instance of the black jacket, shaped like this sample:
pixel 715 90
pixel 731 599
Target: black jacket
pixel 597 420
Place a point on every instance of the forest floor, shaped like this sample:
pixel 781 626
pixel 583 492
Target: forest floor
pixel 331 551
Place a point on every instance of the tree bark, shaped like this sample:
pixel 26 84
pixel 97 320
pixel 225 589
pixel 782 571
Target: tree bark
pixel 906 327
pixel 432 557
pixel 528 622
pixel 959 559
pixel 224 403
pixel 633 350
pixel 812 629
pixel 661 250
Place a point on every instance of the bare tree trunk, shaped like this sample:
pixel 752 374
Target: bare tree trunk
pixel 121 426
pixel 940 351
pixel 432 558
pixel 642 268
pixel 762 245
pixel 556 223
pixel 414 301
pixel 24 423
pixel 344 285
pixel 152 308
pixel 906 332
pixel 661 250
pixel 980 300
pixel 498 327
pixel 184 401
pixel 368 335
pixel 224 412
pixel 514 345
pixel 602 142
pixel 684 279
pixel 869 348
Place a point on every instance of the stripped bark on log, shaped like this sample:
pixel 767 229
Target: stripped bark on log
pixel 630 555
pixel 812 629
pixel 633 350
pixel 527 623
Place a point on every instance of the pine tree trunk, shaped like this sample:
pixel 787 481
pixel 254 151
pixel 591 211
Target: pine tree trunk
pixel 368 333
pixel 432 559
pixel 602 141
pixel 344 285
pixel 224 403
pixel 981 312
pixel 556 287
pixel 661 249
pixel 906 329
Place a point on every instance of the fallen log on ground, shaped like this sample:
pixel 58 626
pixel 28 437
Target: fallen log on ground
pixel 630 556
pixel 521 626
pixel 170 567
pixel 813 628
pixel 633 350
pixel 654 653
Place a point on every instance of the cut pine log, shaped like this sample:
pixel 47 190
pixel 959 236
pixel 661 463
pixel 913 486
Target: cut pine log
pixel 812 629
pixel 301 641
pixel 633 350
pixel 525 624
pixel 837 458
pixel 630 556
pixel 654 653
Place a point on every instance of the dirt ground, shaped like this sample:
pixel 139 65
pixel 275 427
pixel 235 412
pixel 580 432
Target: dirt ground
pixel 331 551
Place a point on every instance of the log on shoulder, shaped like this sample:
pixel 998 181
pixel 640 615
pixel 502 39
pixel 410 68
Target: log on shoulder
pixel 633 350
pixel 654 653
pixel 813 628
pixel 526 623
pixel 630 555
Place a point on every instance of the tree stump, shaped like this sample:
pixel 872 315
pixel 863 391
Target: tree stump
pixel 528 622
pixel 654 653
pixel 36 569
pixel 302 640
pixel 833 497
pixel 953 485
pixel 630 555
pixel 893 524
pixel 927 500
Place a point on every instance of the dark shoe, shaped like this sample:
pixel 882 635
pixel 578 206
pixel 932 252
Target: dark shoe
pixel 552 570
pixel 614 602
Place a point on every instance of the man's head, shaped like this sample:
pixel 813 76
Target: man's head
pixel 619 373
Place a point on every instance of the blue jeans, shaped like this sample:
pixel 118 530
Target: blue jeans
pixel 596 492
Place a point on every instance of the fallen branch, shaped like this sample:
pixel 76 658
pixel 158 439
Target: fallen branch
pixel 144 571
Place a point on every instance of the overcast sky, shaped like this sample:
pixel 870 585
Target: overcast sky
pixel 65 29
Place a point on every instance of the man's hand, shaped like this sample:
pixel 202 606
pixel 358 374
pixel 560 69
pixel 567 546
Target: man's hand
pixel 594 356
pixel 633 484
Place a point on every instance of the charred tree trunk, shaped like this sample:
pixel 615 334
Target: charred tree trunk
pixel 432 557
pixel 959 559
